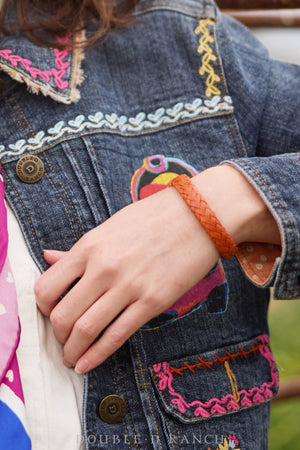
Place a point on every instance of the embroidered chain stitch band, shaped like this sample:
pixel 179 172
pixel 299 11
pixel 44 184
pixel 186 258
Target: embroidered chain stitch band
pixel 205 216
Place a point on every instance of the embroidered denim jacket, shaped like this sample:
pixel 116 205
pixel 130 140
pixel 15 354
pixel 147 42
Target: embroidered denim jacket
pixel 181 89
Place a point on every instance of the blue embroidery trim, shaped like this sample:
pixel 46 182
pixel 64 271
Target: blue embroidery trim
pixel 141 123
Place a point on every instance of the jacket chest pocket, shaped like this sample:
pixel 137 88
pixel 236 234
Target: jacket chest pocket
pixel 205 393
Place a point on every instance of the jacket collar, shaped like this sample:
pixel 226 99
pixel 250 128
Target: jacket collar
pixel 53 72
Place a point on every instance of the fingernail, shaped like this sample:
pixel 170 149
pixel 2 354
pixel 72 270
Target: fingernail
pixel 82 366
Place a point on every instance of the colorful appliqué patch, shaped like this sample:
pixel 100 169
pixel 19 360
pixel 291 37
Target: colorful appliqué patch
pixel 211 290
pixel 156 173
pixel 153 176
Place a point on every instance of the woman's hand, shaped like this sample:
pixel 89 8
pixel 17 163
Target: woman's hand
pixel 140 261
pixel 130 269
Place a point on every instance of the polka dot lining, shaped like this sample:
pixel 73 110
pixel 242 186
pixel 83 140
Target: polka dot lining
pixel 257 260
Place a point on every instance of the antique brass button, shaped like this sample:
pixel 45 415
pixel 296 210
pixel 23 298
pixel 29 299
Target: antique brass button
pixel 30 168
pixel 112 409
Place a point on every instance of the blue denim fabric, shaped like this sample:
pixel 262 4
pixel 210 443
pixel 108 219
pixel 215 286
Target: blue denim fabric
pixel 191 379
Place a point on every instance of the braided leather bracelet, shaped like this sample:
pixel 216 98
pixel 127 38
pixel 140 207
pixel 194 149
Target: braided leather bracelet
pixel 205 216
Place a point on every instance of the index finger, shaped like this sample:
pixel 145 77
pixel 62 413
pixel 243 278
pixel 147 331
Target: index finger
pixel 56 280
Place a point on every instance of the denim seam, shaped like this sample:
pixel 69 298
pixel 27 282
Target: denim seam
pixel 27 216
pixel 118 392
pixel 93 421
pixel 66 194
pixel 23 115
pixel 84 425
pixel 101 179
pixel 226 93
pixel 193 14
pixel 231 136
pixel 76 66
pixel 266 425
pixel 51 168
pixel 16 118
pixel 146 390
pixel 94 153
pixel 84 180
pixel 71 72
pixel 288 223
pixel 64 206
pixel 167 4
pixel 238 134
pixel 168 429
pixel 178 434
pixel 130 416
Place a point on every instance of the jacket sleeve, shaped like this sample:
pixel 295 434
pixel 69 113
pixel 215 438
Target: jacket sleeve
pixel 270 129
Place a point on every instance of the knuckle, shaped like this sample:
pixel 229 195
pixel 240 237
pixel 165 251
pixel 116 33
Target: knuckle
pixel 117 336
pixel 84 329
pixel 39 290
pixel 86 243
pixel 111 266
pixel 128 285
pixel 58 319
pixel 153 301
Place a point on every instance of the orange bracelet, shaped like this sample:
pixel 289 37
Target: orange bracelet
pixel 205 216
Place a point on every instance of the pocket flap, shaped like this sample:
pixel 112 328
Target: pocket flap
pixel 218 382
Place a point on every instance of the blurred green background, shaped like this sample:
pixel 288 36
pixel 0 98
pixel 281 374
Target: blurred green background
pixel 284 321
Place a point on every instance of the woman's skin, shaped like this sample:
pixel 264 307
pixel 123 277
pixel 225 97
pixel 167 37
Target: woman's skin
pixel 139 262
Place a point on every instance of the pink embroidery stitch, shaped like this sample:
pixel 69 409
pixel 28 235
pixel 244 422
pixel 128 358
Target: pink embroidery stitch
pixel 221 405
pixel 57 72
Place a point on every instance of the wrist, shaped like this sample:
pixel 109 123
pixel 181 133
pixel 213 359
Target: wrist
pixel 238 206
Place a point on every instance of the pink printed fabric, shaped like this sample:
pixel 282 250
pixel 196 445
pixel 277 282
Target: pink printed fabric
pixel 3 225
pixel 13 433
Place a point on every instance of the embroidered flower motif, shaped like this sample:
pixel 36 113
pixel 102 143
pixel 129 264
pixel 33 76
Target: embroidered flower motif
pixel 233 442
pixel 230 443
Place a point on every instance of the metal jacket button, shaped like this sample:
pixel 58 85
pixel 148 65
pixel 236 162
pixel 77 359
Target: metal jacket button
pixel 112 409
pixel 30 168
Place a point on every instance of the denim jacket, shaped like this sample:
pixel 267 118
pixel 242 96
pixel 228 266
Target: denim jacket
pixel 179 90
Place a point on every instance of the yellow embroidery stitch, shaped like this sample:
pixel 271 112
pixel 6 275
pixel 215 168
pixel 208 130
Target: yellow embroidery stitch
pixel 232 379
pixel 208 57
